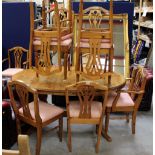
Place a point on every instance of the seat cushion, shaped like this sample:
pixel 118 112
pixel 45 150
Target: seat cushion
pixel 11 71
pixel 47 111
pixel 96 109
pixel 68 36
pixel 65 40
pixel 123 101
pixel 102 41
pixel 104 45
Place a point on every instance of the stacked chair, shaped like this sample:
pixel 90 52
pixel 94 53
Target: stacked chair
pixel 57 37
pixel 95 40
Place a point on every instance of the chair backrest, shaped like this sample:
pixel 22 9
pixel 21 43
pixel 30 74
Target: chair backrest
pixel 16 55
pixel 138 81
pixel 96 17
pixel 42 57
pixel 86 91
pixel 20 104
pixel 23 147
pixel 65 16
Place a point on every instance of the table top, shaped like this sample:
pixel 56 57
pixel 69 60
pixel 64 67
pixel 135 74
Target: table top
pixel 55 83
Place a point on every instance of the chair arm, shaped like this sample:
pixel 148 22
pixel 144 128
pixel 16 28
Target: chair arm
pixel 4 60
pixel 25 64
pixel 37 20
pixel 128 79
pixel 13 152
pixel 130 91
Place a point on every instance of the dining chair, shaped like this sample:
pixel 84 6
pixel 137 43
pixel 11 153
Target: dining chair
pixel 128 99
pixel 23 147
pixel 17 60
pixel 57 37
pixel 95 35
pixel 85 110
pixel 36 113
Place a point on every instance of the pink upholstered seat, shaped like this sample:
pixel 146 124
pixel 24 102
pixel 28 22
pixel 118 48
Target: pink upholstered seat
pixel 103 45
pixel 123 101
pixel 102 41
pixel 68 36
pixel 65 40
pixel 11 71
pixel 46 111
pixel 96 109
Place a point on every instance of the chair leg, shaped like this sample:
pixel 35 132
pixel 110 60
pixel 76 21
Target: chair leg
pixel 127 118
pixel 60 128
pixel 65 65
pixel 69 64
pixel 111 60
pixel 18 126
pixel 99 137
pixel 107 122
pixel 81 63
pixel 39 137
pixel 134 121
pixel 77 68
pixel 97 128
pixel 69 136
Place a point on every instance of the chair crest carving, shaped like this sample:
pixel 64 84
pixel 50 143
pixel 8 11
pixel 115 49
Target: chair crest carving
pixel 95 15
pixel 95 18
pixel 86 95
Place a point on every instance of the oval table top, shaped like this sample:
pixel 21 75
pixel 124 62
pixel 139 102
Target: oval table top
pixel 55 83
